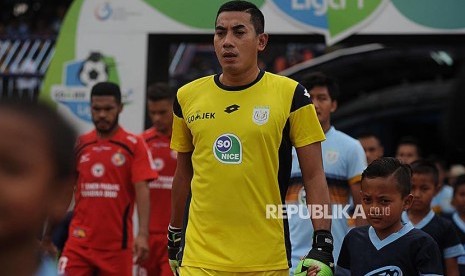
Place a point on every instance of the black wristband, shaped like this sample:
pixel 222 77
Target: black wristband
pixel 323 239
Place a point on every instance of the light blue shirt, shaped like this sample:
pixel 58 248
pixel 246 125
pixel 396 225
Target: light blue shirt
pixel 343 159
pixel 48 267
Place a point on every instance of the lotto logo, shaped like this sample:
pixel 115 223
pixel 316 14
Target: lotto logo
pixel 228 149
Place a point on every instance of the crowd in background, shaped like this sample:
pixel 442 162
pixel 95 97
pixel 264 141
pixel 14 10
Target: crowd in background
pixel 31 17
pixel 40 18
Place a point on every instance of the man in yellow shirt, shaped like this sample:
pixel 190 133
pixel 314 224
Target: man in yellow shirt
pixel 233 133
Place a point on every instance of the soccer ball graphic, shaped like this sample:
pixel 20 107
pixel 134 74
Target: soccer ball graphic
pixel 93 70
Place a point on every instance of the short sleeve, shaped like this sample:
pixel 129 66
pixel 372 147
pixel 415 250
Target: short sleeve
pixel 305 127
pixel 452 247
pixel 181 137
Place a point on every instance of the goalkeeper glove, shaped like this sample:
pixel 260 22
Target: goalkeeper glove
pixel 320 255
pixel 174 245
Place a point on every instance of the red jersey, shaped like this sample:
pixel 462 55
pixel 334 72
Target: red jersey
pixel 164 160
pixel 105 194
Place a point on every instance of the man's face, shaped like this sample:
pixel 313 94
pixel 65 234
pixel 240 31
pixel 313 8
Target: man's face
pixel 459 199
pixel 323 103
pixel 236 42
pixel 27 174
pixel 105 111
pixel 407 153
pixel 161 115
pixel 383 204
pixel 423 190
pixel 372 147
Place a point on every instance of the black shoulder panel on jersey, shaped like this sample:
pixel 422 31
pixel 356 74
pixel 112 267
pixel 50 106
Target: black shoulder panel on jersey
pixel 124 146
pixel 301 98
pixel 78 150
pixel 150 138
pixel 177 108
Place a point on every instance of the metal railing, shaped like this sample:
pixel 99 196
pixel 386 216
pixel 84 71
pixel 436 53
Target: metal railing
pixel 23 63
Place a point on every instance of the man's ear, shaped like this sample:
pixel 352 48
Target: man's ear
pixel 262 41
pixel 333 106
pixel 408 200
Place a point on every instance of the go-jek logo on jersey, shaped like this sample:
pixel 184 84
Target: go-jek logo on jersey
pixel 228 149
pixel 336 19
pixel 78 78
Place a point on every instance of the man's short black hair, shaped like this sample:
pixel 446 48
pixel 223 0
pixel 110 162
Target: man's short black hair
pixel 159 91
pixel 321 79
pixel 106 88
pixel 256 15
pixel 367 134
pixel 388 166
pixel 410 140
pixel 426 167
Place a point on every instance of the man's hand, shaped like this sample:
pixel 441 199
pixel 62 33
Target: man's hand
pixel 174 244
pixel 141 248
pixel 321 255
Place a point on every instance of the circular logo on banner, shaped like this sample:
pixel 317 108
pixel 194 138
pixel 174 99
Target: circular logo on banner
pixel 98 170
pixel 103 11
pixel 118 159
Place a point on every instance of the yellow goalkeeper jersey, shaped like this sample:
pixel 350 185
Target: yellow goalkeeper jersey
pixel 241 139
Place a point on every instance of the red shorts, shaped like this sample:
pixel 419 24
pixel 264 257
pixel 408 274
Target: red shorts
pixel 157 264
pixel 84 261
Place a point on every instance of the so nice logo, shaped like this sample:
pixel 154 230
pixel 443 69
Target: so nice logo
pixel 228 149
pixel 336 19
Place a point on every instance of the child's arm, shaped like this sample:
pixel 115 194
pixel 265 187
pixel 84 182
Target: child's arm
pixel 451 267
pixel 453 250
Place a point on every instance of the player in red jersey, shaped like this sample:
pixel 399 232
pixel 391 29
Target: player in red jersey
pixel 160 109
pixel 114 168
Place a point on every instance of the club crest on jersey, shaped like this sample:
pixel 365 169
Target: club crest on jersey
pixel 386 271
pixel 260 115
pixel 332 156
pixel 98 170
pixel 158 164
pixel 79 233
pixel 118 159
pixel 228 149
